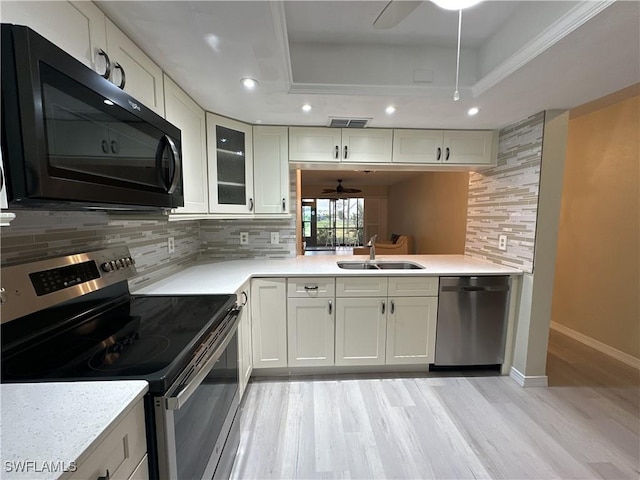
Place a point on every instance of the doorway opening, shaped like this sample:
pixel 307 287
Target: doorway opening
pixel 333 225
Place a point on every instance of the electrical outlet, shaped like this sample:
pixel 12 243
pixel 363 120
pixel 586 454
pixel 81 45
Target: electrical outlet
pixel 502 242
pixel 275 238
pixel 171 244
pixel 244 238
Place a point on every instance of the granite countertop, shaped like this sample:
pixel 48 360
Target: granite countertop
pixel 228 276
pixel 53 424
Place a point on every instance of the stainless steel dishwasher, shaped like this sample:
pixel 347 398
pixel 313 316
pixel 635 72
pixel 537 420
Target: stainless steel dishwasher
pixel 472 321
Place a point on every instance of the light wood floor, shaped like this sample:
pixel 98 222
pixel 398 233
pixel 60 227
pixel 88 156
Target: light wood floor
pixel 585 425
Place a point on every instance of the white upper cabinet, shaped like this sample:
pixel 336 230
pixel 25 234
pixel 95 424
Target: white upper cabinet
pixel 366 145
pixel 417 146
pixel 78 28
pixel 230 160
pixel 315 144
pixel 453 147
pixel 142 78
pixel 271 169
pixel 468 147
pixel 319 144
pixel 187 115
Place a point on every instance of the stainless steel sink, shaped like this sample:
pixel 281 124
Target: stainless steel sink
pixel 379 265
pixel 358 266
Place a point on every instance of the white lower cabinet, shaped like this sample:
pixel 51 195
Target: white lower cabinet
pixel 411 324
pixel 269 322
pixel 310 328
pixel 245 362
pixel 311 321
pixel 361 325
pixel 411 330
pixel 122 454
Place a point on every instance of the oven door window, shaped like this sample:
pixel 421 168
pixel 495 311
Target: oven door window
pixel 92 139
pixel 199 424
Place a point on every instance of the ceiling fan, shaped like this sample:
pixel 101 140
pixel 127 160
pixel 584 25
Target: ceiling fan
pixel 340 189
pixel 397 10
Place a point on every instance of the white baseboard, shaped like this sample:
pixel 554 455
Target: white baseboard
pixel 597 345
pixel 529 381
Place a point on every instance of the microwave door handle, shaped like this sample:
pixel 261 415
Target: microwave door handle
pixel 166 140
pixel 175 402
pixel 177 165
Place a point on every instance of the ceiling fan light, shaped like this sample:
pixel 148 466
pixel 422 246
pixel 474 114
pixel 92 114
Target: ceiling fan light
pixel 455 4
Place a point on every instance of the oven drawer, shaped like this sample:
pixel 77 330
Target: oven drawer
pixel 120 453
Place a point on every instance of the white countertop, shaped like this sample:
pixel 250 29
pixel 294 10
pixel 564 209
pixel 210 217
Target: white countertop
pixel 54 424
pixel 228 277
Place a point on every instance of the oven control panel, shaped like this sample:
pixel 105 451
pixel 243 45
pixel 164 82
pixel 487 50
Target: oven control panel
pixel 30 287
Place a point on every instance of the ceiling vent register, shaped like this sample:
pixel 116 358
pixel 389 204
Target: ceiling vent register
pixel 348 122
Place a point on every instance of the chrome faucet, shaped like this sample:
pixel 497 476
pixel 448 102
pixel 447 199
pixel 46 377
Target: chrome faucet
pixel 372 250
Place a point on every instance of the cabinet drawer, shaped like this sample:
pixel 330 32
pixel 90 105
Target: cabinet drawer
pixel 317 287
pixel 120 452
pixel 413 286
pixel 361 287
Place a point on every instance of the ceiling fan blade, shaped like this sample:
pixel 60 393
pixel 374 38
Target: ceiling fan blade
pixel 350 190
pixel 328 190
pixel 394 13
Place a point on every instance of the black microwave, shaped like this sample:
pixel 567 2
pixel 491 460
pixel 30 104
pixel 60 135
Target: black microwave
pixel 73 140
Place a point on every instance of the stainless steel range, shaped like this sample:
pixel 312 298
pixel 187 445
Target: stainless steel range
pixel 73 318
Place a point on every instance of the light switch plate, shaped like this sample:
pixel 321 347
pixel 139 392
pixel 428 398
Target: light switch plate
pixel 275 238
pixel 502 242
pixel 244 238
pixel 171 244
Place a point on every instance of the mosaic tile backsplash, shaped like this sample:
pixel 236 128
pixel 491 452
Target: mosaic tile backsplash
pixel 36 235
pixel 504 199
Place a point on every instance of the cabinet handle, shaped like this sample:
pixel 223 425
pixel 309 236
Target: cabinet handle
pixel 251 204
pixel 123 77
pixel 315 287
pixel 105 146
pixel 337 154
pixel 115 148
pixel 107 69
pixel 447 157
pixel 346 151
pixel 330 307
pixel 439 154
pixel 1 179
pixel 245 298
pixel 284 205
pixel 105 477
pixel 393 307
pixel 384 307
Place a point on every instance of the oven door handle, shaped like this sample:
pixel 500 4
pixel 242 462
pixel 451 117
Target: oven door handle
pixel 175 402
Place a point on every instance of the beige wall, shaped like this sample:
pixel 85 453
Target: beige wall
pixel 431 207
pixel 597 273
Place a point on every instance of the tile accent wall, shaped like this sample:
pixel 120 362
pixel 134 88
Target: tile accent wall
pixel 221 238
pixel 504 198
pixel 36 235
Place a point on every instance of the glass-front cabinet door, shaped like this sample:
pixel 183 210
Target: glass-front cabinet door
pixel 230 158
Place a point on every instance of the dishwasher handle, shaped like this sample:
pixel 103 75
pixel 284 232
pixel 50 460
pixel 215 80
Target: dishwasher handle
pixel 470 288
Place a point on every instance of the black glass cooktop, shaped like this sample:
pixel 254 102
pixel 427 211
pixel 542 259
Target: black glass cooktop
pixel 136 337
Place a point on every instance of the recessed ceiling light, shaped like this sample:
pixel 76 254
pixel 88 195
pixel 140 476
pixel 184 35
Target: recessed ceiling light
pixel 249 83
pixel 455 4
pixel 108 102
pixel 473 111
pixel 391 109
pixel 258 121
pixel 306 107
